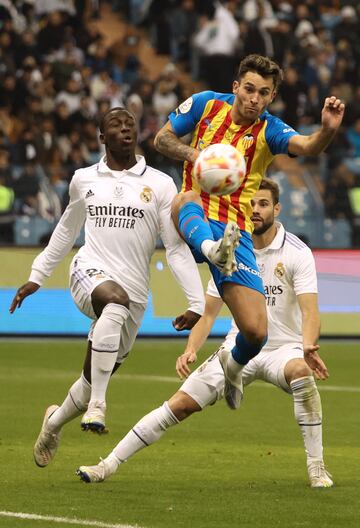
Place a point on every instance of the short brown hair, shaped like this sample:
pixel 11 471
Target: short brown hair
pixel 270 185
pixel 263 66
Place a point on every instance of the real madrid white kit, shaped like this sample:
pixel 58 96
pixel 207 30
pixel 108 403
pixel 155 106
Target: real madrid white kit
pixel 124 213
pixel 288 269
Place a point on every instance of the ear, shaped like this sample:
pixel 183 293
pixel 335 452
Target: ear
pixel 102 139
pixel 274 94
pixel 277 210
pixel 235 87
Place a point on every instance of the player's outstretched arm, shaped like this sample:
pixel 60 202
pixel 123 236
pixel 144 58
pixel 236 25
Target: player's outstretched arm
pixel 331 118
pixel 24 291
pixel 168 143
pixel 308 303
pixel 198 335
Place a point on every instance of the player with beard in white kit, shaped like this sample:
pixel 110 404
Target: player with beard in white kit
pixel 287 361
pixel 125 205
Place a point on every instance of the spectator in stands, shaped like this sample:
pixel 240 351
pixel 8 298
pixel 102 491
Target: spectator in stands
pixel 7 216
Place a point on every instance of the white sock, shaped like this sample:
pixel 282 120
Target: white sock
pixel 74 405
pixel 105 346
pixel 232 366
pixel 206 246
pixel 308 414
pixel 147 431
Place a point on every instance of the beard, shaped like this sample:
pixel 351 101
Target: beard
pixel 262 228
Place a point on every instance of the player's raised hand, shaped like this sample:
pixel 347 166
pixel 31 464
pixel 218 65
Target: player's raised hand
pixel 182 363
pixel 315 362
pixel 186 320
pixel 24 291
pixel 332 113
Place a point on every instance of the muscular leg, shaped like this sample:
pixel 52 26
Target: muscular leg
pixel 247 306
pixel 110 303
pixel 146 432
pixel 308 414
pixel 188 216
pixel 307 406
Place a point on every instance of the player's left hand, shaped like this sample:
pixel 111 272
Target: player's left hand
pixel 332 113
pixel 186 320
pixel 182 363
pixel 315 362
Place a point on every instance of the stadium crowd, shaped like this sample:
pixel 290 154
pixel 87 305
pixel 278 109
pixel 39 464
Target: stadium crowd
pixel 57 75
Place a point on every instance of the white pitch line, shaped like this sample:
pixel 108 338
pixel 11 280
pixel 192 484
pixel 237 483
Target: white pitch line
pixel 258 383
pixel 64 520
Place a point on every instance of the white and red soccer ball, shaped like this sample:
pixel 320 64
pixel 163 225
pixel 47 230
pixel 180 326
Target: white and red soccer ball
pixel 220 169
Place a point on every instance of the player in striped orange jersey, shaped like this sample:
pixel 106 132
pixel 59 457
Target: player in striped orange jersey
pixel 209 223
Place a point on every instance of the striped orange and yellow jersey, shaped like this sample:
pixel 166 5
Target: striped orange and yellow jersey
pixel 207 115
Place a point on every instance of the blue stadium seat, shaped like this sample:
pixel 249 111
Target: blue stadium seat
pixel 29 230
pixel 337 233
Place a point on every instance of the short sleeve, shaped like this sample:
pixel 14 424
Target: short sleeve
pixel 305 278
pixel 278 134
pixel 186 116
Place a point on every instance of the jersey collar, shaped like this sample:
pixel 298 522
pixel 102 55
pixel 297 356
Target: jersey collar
pixel 278 241
pixel 137 170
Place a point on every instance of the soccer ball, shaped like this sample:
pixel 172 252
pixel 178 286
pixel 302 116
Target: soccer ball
pixel 220 169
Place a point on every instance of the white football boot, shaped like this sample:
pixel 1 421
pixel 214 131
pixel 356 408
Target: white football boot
pixel 97 473
pixel 47 442
pixel 222 254
pixel 94 418
pixel 318 476
pixel 233 390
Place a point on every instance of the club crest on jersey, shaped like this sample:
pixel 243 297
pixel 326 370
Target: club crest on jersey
pixel 247 141
pixel 118 191
pixel 146 195
pixel 279 270
pixel 185 106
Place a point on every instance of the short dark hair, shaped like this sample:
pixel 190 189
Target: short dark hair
pixel 115 109
pixel 263 66
pixel 270 185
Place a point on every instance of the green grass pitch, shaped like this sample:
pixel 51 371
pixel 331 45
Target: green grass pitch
pixel 219 469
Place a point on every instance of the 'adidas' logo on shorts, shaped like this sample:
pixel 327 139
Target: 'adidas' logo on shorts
pixel 89 193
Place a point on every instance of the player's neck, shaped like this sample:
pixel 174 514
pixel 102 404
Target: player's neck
pixel 118 162
pixel 239 119
pixel 264 240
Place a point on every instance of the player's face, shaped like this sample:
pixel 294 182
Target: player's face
pixel 120 132
pixel 264 211
pixel 253 93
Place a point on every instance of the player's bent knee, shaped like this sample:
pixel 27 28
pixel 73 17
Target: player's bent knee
pixel 182 405
pixel 295 369
pixel 121 298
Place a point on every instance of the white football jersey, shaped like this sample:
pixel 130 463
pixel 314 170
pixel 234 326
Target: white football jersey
pixel 287 268
pixel 124 212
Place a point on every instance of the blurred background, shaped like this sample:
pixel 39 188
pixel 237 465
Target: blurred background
pixel 65 62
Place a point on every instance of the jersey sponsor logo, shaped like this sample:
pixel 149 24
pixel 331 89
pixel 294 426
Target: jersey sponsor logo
pixel 272 291
pixel 279 270
pixel 242 266
pixel 146 195
pixel 89 194
pixel 289 129
pixel 247 141
pixel 115 215
pixel 185 107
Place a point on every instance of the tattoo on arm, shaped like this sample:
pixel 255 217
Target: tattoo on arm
pixel 170 145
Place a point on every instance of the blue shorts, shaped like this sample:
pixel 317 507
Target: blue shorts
pixel 247 273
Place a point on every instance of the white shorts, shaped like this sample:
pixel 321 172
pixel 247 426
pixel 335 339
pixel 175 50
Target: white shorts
pixel 83 281
pixel 206 384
